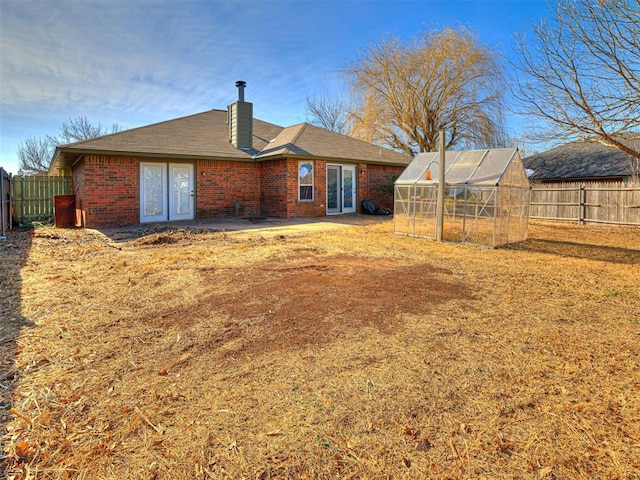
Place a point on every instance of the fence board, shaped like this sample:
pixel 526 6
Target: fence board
pixel 33 196
pixel 5 202
pixel 607 202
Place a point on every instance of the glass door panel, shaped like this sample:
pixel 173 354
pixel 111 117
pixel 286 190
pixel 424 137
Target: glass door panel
pixel 153 192
pixel 333 189
pixel 181 196
pixel 348 189
pixel 341 189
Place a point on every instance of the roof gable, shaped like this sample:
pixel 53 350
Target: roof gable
pixel 308 140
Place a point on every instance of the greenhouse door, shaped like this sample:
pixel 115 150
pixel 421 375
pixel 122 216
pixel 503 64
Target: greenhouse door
pixel 166 192
pixel 341 189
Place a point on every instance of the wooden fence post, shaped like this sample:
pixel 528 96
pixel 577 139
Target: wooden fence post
pixel 3 208
pixel 582 205
pixel 22 187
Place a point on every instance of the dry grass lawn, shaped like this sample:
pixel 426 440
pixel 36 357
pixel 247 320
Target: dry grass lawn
pixel 345 354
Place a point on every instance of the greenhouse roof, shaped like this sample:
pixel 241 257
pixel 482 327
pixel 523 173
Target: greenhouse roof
pixel 468 167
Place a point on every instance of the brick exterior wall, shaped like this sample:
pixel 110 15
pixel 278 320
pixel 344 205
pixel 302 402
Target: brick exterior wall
pixel 307 208
pixel 376 177
pixel 220 185
pixel 274 188
pixel 107 189
pixel 279 189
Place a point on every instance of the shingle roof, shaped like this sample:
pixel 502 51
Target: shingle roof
pixel 579 160
pixel 199 136
pixel 206 136
pixel 308 140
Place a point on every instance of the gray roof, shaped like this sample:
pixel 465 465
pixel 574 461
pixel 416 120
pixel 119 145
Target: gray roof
pixel 579 160
pixel 311 141
pixel 205 136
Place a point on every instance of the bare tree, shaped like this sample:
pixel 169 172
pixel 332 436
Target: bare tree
pixel 329 113
pixel 583 78
pixel 403 94
pixel 35 153
pixel 79 128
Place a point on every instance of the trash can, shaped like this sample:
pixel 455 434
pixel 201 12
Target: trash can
pixel 64 210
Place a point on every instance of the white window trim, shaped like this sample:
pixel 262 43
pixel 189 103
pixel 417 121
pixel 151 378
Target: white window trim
pixel 313 179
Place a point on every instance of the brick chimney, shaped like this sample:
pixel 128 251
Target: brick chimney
pixel 240 119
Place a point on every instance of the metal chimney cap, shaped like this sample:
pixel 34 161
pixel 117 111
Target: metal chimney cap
pixel 241 84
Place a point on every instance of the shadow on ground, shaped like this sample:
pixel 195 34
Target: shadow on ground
pixel 14 251
pixel 581 250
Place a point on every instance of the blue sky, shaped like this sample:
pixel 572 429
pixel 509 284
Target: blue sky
pixel 136 62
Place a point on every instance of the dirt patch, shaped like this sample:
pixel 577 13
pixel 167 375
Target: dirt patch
pixel 284 307
pixel 161 235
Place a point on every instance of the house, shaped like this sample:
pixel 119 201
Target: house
pixel 221 164
pixel 582 161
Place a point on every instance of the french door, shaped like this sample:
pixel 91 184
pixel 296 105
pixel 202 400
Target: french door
pixel 341 189
pixel 166 192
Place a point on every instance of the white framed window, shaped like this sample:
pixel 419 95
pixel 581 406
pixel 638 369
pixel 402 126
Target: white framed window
pixel 305 181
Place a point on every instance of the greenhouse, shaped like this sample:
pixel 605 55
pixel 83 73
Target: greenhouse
pixel 486 197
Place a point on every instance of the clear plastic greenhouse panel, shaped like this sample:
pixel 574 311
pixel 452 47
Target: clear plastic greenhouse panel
pixel 486 197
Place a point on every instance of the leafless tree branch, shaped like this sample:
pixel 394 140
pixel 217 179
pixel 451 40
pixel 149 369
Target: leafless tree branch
pixel 329 113
pixel 582 79
pixel 35 153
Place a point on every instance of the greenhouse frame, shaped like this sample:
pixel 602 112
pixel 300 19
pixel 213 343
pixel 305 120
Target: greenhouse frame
pixel 486 197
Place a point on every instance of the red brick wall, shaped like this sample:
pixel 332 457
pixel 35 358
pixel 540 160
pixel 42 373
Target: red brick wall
pixel 375 177
pixel 363 185
pixel 279 189
pixel 307 208
pixel 109 193
pixel 274 188
pixel 222 184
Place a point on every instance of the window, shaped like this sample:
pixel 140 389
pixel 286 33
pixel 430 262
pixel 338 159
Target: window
pixel 305 181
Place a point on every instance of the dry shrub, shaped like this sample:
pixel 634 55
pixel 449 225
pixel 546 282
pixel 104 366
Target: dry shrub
pixel 349 353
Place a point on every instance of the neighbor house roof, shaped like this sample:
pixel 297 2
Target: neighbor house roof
pixel 205 136
pixel 579 160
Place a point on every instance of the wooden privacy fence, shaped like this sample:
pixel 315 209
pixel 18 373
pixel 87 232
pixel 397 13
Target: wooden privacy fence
pixel 5 202
pixel 31 197
pixel 608 202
